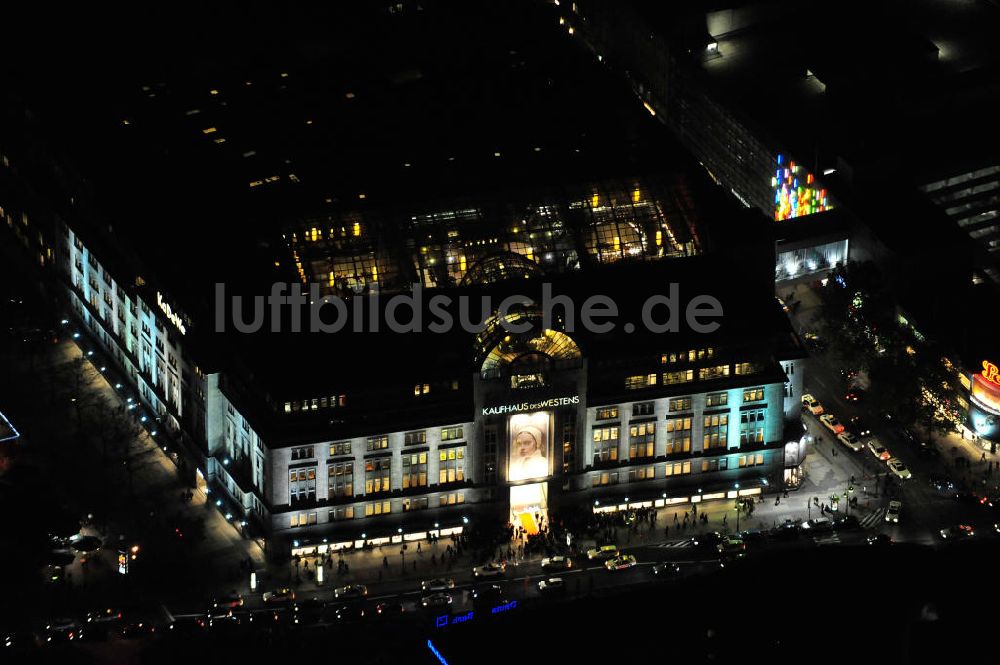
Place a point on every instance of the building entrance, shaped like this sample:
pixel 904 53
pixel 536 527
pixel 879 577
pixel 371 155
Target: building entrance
pixel 528 506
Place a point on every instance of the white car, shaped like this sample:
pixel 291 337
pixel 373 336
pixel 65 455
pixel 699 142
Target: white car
pixel 439 584
pixel 831 423
pixel 892 512
pixel 811 403
pixel 603 553
pixel 489 570
pixel 897 467
pixel 850 440
pixel 551 585
pixel 878 450
pixel 557 563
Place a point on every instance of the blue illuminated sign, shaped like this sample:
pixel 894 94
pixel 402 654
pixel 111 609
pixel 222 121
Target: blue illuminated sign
pixel 506 607
pixel 430 645
pixel 441 621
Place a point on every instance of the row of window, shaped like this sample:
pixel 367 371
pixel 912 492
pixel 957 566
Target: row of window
pixel 640 381
pixel 375 508
pixel 316 403
pixel 375 443
pixel 677 469
pixel 378 475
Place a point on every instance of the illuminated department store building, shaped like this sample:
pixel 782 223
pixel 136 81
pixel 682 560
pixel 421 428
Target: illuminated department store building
pixel 514 425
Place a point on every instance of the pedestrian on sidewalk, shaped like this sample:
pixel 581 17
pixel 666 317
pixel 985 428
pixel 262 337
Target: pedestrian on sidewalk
pixel 666 530
pixel 385 562
pixel 675 517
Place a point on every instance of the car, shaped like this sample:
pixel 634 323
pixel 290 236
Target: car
pixel 101 624
pixel 623 562
pixel 732 548
pixel 63 630
pixel 489 593
pixel 855 395
pixel 957 532
pixel 137 629
pixel 928 450
pixel 970 498
pixel 436 600
pixel 603 552
pixel 858 425
pixel 187 625
pixel 310 611
pixel 437 584
pixel 352 612
pixel 831 423
pixel 941 483
pixel 818 525
pixel 282 596
pixel 846 523
pixel 552 586
pixel 557 563
pixel 389 609
pixel 892 512
pixel 667 569
pixel 707 540
pixel 489 570
pixel 790 530
pixel 350 591
pixel 231 600
pixel 879 539
pixel 851 440
pixel 908 435
pixel 812 404
pixel 878 450
pixel 899 469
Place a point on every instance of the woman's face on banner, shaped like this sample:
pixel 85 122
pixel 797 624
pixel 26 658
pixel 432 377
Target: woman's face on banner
pixel 526 445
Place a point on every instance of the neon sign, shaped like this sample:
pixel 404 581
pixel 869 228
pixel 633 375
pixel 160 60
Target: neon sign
pixel 531 406
pixel 430 645
pixel 796 192
pixel 170 314
pixel 506 607
pixel 991 372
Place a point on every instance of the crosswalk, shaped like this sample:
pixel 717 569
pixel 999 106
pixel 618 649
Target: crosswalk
pixel 872 519
pixel 677 543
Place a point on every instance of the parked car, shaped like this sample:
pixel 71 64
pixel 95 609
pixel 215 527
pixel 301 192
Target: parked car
pixel 892 512
pixel 811 404
pixel 878 450
pixel 556 563
pixel 437 584
pixel 489 570
pixel 928 450
pixel 899 469
pixel 350 591
pixel 831 423
pixel 850 440
pixel 623 562
pixel 603 552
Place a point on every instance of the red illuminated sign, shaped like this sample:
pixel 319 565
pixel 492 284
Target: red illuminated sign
pixel 991 372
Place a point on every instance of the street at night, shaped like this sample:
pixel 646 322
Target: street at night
pixel 453 332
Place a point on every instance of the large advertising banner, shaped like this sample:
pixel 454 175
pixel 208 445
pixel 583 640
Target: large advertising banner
pixel 529 446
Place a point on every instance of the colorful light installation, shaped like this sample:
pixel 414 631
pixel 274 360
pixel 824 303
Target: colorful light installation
pixel 796 192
